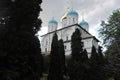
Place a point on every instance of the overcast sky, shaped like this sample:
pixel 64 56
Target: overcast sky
pixel 93 11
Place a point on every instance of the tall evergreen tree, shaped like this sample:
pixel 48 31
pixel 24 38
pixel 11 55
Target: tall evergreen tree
pixel 62 57
pixel 110 32
pixel 102 62
pixel 113 65
pixel 94 69
pixel 24 16
pixel 85 56
pixel 101 56
pixel 76 45
pixel 94 56
pixel 20 53
pixel 76 66
pixel 55 66
pixel 4 15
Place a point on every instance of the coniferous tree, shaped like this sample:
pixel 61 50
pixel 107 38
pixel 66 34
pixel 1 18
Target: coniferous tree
pixel 103 73
pixel 85 55
pixel 4 16
pixel 24 16
pixel 76 66
pixel 62 57
pixel 94 56
pixel 76 45
pixel 20 53
pixel 55 68
pixel 110 32
pixel 101 56
pixel 113 65
pixel 94 70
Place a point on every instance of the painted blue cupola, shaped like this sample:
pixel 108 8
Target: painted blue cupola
pixel 52 25
pixel 72 17
pixel 72 12
pixel 84 24
pixel 53 21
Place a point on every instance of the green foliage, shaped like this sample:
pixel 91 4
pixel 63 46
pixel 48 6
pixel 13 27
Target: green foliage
pixel 113 65
pixel 85 56
pixel 46 63
pixel 76 45
pixel 110 31
pixel 101 58
pixel 94 65
pixel 97 65
pixel 77 65
pixel 62 57
pixel 24 16
pixel 55 65
pixel 20 53
pixel 94 56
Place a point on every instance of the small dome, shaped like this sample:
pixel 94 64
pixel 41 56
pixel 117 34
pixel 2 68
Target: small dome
pixel 83 22
pixel 72 12
pixel 53 21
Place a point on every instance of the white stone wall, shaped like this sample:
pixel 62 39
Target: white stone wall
pixel 87 44
pixel 64 22
pixel 52 27
pixel 66 34
pixel 72 19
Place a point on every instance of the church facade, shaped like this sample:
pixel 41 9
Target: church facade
pixel 69 24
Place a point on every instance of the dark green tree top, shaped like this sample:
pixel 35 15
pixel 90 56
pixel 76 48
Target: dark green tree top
pixel 101 56
pixel 77 65
pixel 20 53
pixel 62 56
pixel 54 45
pixel 94 56
pixel 24 16
pixel 110 30
pixel 55 66
pixel 85 55
pixel 76 45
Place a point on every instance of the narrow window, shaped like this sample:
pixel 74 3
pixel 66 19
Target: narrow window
pixel 73 20
pixel 66 38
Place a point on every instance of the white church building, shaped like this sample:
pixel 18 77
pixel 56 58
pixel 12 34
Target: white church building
pixel 69 24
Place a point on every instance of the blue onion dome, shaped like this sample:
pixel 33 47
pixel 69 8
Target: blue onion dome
pixel 53 21
pixel 83 22
pixel 72 12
